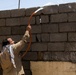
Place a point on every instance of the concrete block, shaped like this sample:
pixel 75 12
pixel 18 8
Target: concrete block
pixel 58 37
pixel 59 18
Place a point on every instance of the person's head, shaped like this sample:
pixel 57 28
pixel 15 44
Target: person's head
pixel 7 41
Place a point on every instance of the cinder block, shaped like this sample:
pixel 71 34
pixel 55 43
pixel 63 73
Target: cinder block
pixel 58 37
pixel 45 37
pixel 39 47
pixel 69 7
pixel 60 56
pixel 17 12
pixel 36 29
pixel 26 64
pixel 50 28
pixel 5 31
pixel 72 17
pixel 47 56
pixel 70 46
pixel 72 37
pixel 73 57
pixel 59 18
pixel 5 14
pixel 2 22
pixel 45 19
pixel 30 56
pixel 67 27
pixel 13 22
pixel 50 9
pixel 18 30
pixel 56 46
pixel 29 11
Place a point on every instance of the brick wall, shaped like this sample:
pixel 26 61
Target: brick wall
pixel 53 32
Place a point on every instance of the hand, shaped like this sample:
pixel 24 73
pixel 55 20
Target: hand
pixel 28 27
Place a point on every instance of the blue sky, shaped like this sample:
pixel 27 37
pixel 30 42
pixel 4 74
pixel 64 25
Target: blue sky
pixel 13 4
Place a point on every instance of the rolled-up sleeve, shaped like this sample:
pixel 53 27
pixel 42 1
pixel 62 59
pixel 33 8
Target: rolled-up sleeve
pixel 19 45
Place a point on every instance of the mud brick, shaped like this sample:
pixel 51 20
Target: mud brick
pixel 50 28
pixel 55 46
pixel 30 56
pixel 71 36
pixel 36 29
pixel 72 17
pixel 17 12
pixel 67 27
pixel 5 14
pixel 5 30
pixel 70 46
pixel 45 37
pixel 2 22
pixel 39 47
pixel 13 22
pixel 18 30
pixel 60 56
pixel 58 37
pixel 45 19
pixel 69 7
pixel 59 18
pixel 50 9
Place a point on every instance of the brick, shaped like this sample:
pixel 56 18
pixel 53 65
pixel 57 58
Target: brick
pixel 56 46
pixel 60 56
pixel 71 36
pixel 2 22
pixel 30 56
pixel 67 27
pixel 45 19
pixel 50 9
pixel 13 22
pixel 36 29
pixel 18 30
pixel 5 30
pixel 5 14
pixel 17 12
pixel 25 20
pixel 59 18
pixel 69 7
pixel 50 28
pixel 72 17
pixel 39 47
pixel 45 37
pixel 58 37
pixel 70 46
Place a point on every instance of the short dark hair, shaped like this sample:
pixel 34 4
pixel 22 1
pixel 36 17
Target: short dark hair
pixel 5 42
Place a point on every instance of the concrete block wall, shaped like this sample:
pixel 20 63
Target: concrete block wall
pixel 53 32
